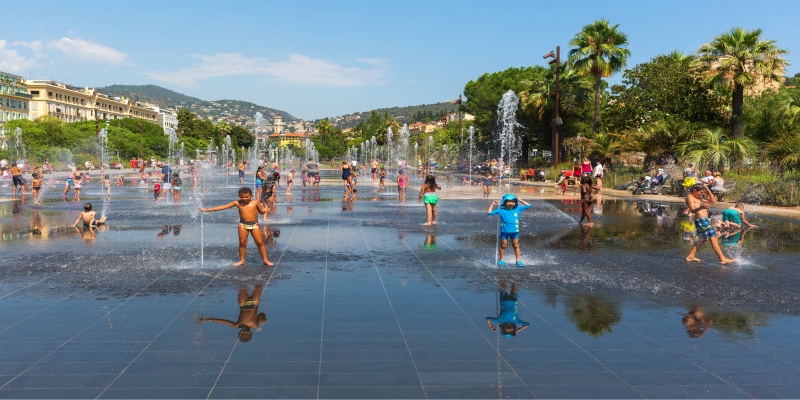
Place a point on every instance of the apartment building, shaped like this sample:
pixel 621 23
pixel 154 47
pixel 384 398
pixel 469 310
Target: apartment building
pixel 14 98
pixel 71 104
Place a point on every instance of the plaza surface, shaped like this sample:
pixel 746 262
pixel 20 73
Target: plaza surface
pixel 363 302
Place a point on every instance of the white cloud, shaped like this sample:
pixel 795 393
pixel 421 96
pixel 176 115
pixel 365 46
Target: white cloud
pixel 35 46
pixel 11 61
pixel 298 68
pixel 84 50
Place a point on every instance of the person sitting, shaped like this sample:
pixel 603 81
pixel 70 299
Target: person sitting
pixel 707 179
pixel 659 179
pixel 718 188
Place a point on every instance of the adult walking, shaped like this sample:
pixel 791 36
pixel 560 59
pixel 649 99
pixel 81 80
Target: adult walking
pixel 313 172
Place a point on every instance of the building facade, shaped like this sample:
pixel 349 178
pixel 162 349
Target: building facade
pixel 72 104
pixel 14 98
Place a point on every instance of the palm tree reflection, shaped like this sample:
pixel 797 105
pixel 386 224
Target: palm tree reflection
pixel 592 314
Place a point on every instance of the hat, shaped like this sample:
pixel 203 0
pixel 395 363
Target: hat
pixel 661 170
pixel 510 197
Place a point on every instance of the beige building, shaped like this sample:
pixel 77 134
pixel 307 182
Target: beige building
pixel 71 104
pixel 14 98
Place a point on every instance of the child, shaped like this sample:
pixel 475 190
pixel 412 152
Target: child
pixel 67 186
pixel 349 187
pixel 586 199
pixel 248 223
pixel 402 182
pixel 177 184
pixel 289 182
pixel 382 177
pixel 156 189
pixel 428 193
pixel 697 202
pixel 509 216
pixel 36 186
pixel 261 176
pixel 78 184
pixel 486 181
pixel 107 186
pixel 731 217
pixel 87 216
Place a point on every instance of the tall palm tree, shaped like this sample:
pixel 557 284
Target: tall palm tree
pixel 324 128
pixel 740 59
pixel 599 52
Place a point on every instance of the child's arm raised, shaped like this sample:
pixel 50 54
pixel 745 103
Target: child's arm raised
pixel 222 207
pixel 491 206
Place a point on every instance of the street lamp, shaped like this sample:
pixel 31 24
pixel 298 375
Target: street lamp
pixel 557 122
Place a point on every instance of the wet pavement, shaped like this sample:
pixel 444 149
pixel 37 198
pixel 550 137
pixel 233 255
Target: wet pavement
pixel 364 302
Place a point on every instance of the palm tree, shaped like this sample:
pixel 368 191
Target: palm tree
pixel 715 149
pixel 785 151
pixel 740 59
pixel 324 128
pixel 599 52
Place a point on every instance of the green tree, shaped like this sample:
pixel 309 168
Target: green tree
pixel 715 150
pixel 740 59
pixel 324 128
pixel 663 88
pixel 598 52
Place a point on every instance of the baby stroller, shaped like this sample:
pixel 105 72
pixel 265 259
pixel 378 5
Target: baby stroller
pixel 648 185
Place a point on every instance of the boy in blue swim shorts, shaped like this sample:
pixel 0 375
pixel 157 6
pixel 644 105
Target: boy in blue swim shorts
pixel 698 200
pixel 509 214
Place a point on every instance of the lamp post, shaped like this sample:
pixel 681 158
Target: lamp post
pixel 460 117
pixel 557 122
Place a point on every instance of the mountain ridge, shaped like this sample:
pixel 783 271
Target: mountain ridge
pixel 241 112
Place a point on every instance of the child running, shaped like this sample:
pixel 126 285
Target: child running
pixel 427 194
pixel 248 223
pixel 698 200
pixel 68 185
pixel 382 177
pixel 509 213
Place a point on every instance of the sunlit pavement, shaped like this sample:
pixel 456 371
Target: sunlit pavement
pixel 364 302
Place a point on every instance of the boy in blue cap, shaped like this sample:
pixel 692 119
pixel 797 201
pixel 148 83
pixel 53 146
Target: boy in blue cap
pixel 509 214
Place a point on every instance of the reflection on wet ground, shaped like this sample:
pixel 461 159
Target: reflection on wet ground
pixel 365 303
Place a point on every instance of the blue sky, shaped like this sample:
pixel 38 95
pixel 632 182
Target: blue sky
pixel 317 58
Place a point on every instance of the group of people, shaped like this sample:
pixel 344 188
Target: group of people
pixel 580 170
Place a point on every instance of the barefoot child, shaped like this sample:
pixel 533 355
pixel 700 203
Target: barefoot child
pixel 427 194
pixel 87 216
pixel 36 186
pixel 509 212
pixel 248 223
pixel 698 200
pixel 402 182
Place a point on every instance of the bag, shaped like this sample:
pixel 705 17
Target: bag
pixel 689 182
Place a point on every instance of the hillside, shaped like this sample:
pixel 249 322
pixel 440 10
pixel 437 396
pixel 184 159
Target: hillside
pixel 403 115
pixel 238 112
pixel 235 112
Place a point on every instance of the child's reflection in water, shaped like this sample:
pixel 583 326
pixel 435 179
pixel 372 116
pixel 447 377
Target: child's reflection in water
pixel 249 317
pixel 696 322
pixel 508 318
